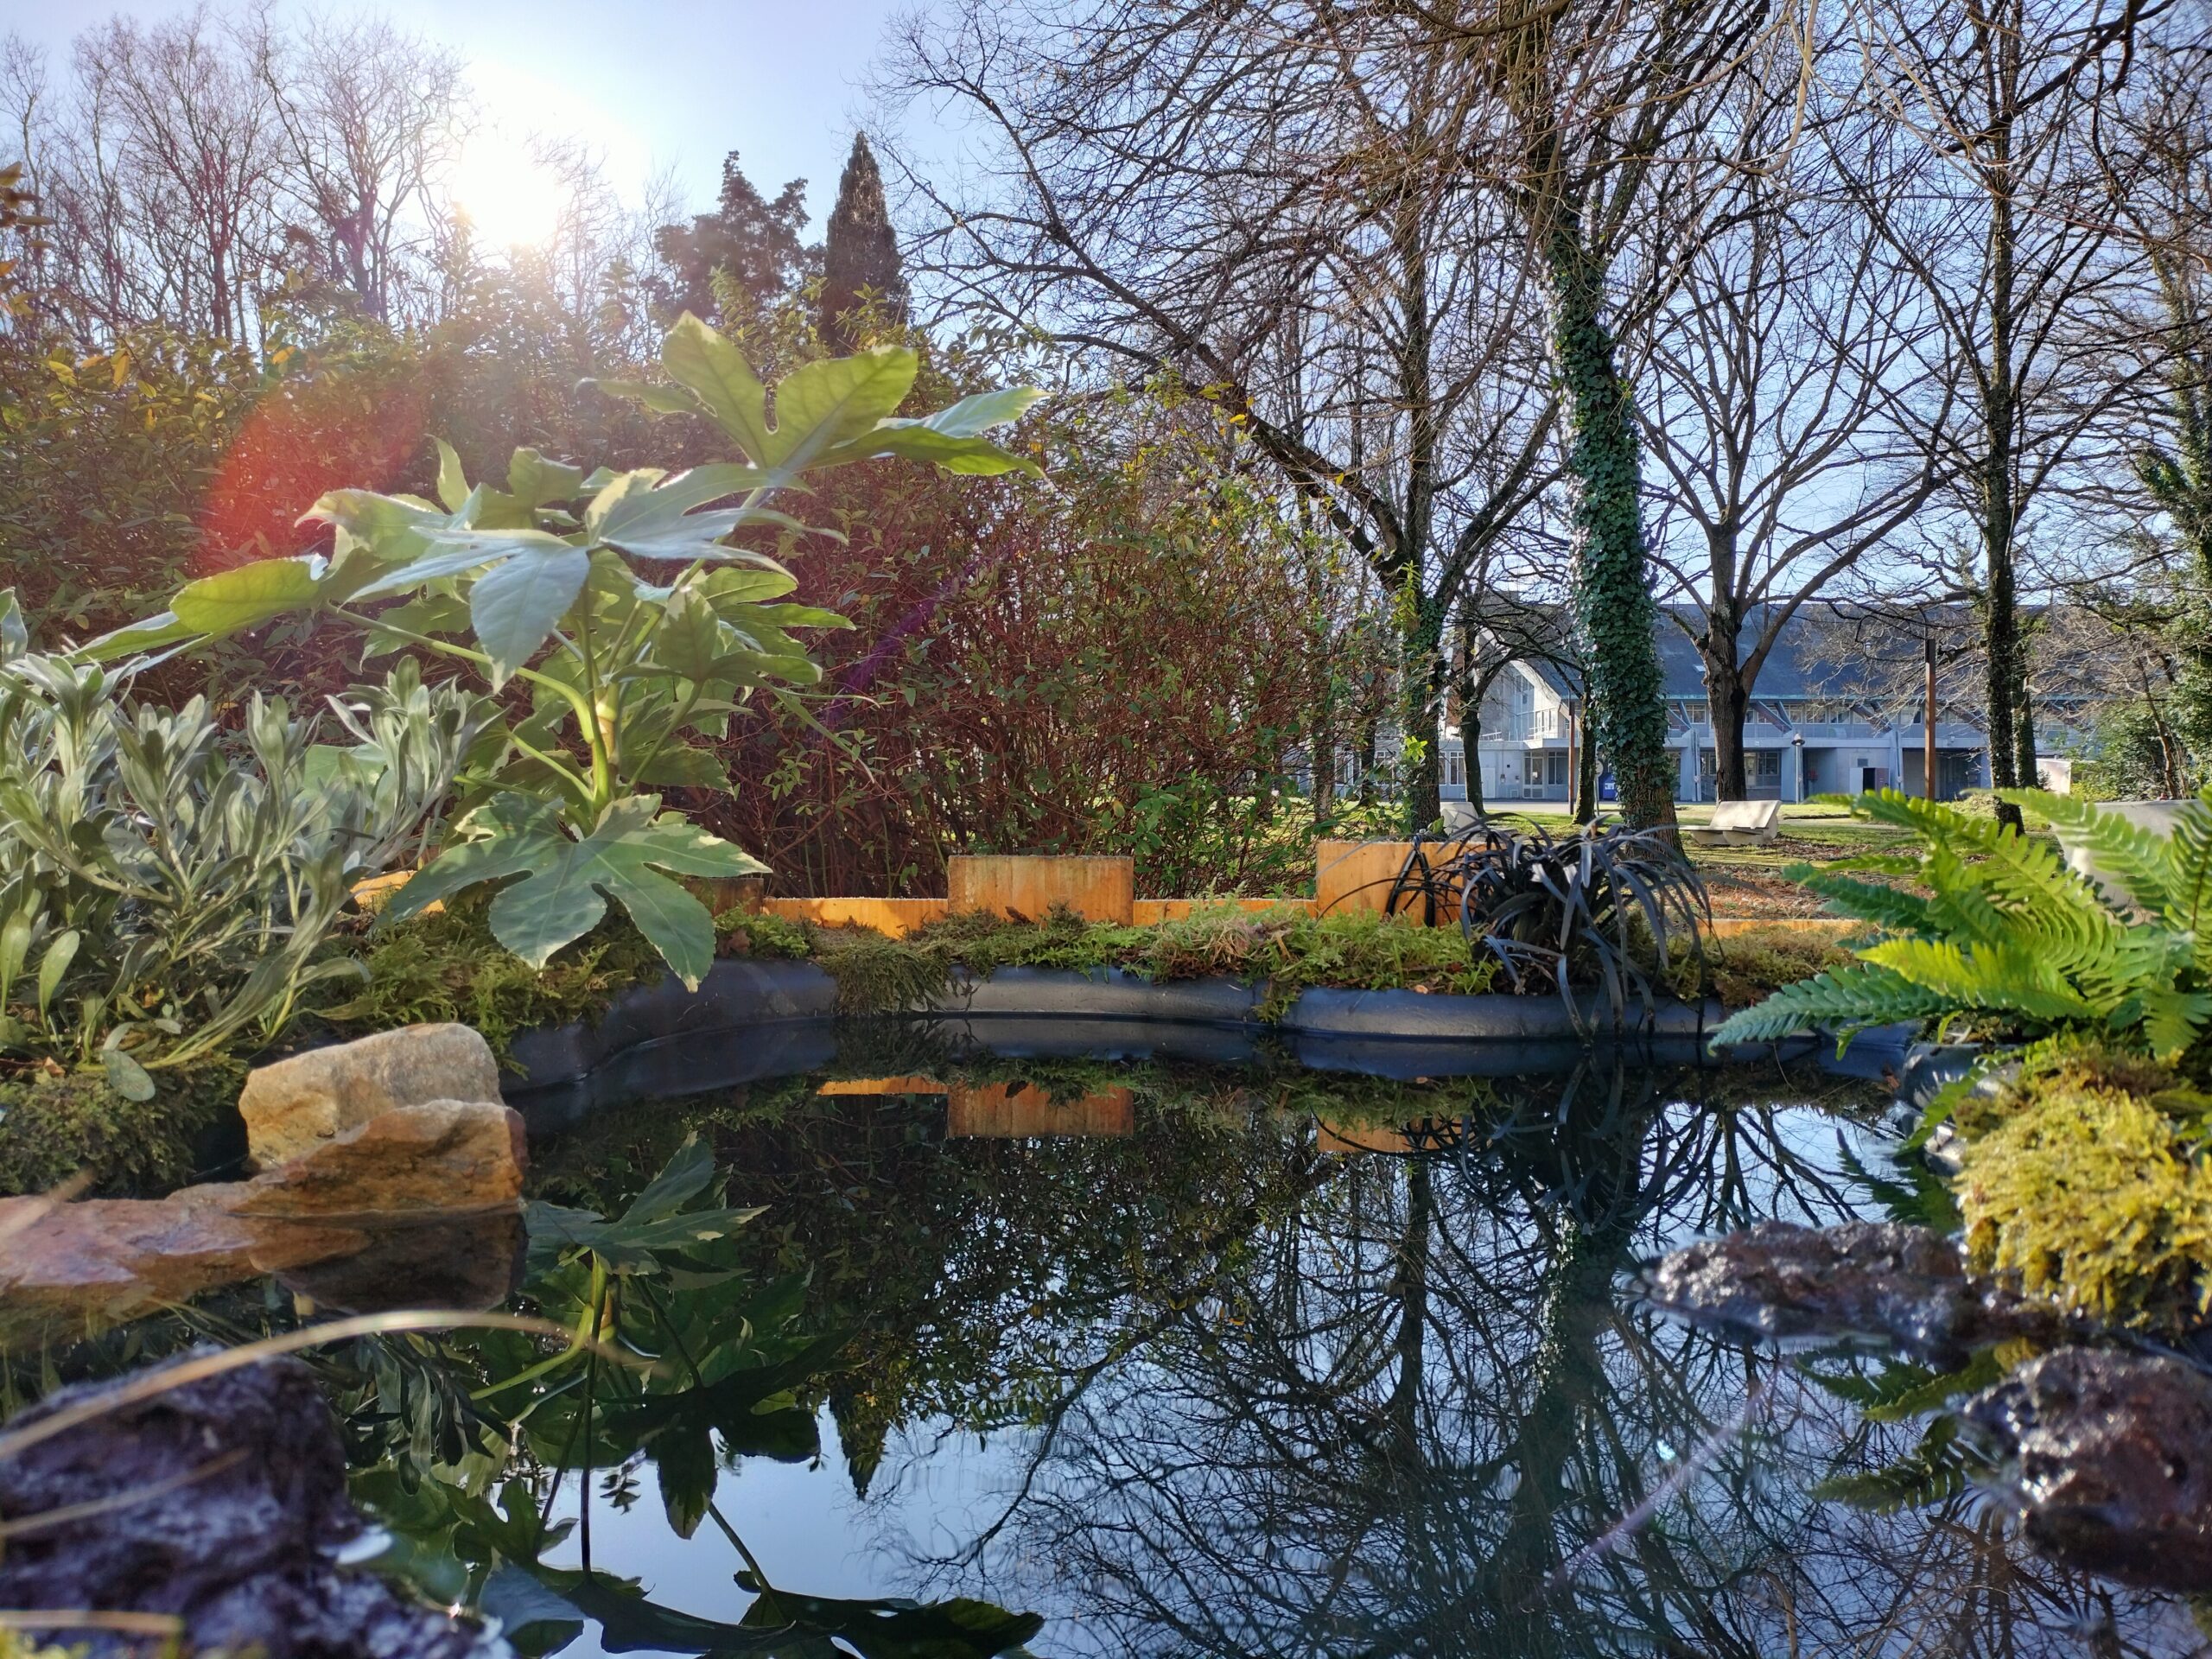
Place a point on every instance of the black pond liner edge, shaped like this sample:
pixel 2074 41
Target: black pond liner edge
pixel 753 1019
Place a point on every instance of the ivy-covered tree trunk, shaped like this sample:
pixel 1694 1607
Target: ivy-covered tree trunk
pixel 1613 604
pixel 1420 687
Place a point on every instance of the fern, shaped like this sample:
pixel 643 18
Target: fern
pixel 1939 1467
pixel 2007 929
pixel 1848 999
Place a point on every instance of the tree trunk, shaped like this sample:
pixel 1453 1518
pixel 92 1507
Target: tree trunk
pixel 2007 670
pixel 1585 781
pixel 1728 700
pixel 1613 602
pixel 1420 689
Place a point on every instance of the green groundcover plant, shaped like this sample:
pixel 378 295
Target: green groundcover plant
pixel 166 885
pixel 1994 927
pixel 620 606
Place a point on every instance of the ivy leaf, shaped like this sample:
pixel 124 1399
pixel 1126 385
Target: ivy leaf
pixel 716 374
pixel 834 400
pixel 678 767
pixel 951 438
pixel 533 480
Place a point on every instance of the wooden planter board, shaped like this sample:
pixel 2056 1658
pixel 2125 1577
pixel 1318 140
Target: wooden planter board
pixel 1096 889
pixel 1358 875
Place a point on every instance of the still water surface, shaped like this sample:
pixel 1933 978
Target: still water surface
pixel 1252 1361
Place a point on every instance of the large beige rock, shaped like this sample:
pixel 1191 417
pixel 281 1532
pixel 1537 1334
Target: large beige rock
pixel 295 1105
pixel 450 1156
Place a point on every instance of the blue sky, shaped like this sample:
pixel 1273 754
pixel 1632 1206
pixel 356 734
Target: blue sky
pixel 654 83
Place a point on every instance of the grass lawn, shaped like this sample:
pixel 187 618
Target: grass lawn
pixel 1747 880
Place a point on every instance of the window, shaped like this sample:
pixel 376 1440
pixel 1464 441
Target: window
pixel 1763 766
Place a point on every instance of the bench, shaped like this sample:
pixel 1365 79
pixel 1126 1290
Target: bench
pixel 1738 824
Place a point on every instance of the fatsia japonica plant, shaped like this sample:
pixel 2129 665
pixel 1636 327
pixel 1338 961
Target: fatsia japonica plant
pixel 619 603
pixel 2002 929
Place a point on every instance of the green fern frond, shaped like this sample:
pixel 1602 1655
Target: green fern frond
pixel 1995 978
pixel 2190 854
pixel 2173 1020
pixel 1933 821
pixel 1868 901
pixel 1847 998
pixel 1939 1467
pixel 2138 860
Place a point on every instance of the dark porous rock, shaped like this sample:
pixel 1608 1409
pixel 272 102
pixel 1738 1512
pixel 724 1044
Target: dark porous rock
pixel 2114 1456
pixel 244 1504
pixel 1863 1279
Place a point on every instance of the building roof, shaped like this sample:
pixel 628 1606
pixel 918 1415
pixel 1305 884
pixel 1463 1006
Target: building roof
pixel 1821 652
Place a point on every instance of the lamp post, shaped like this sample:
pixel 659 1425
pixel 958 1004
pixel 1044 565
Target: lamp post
pixel 1797 748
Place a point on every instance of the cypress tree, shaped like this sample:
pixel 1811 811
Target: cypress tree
pixel 860 256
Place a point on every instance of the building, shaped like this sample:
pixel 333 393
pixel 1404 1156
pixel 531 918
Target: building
pixel 1814 727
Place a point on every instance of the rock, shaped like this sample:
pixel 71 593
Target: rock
pixel 297 1104
pixel 250 1503
pixel 1862 1279
pixel 113 1258
pixel 2114 1456
pixel 450 1155
pixel 475 1261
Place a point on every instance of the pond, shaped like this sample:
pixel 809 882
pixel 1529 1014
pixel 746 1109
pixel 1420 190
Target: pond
pixel 1169 1358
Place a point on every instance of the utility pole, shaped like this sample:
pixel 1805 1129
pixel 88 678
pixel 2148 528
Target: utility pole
pixel 1928 753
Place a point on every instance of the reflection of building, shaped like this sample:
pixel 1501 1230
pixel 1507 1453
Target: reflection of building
pixel 1814 727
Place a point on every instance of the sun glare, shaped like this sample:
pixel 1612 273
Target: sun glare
pixel 510 200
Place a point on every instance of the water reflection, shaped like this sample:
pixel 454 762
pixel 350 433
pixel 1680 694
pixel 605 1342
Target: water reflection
pixel 1261 1363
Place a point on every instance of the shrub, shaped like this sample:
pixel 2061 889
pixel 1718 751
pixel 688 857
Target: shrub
pixel 166 885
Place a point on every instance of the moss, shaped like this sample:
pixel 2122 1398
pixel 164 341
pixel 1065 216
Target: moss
pixel 1745 967
pixel 2090 1180
pixel 55 1128
pixel 756 933
pixel 1284 945
pixel 446 966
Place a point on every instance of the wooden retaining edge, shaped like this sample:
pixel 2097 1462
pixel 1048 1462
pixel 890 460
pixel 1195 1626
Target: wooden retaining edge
pixel 896 917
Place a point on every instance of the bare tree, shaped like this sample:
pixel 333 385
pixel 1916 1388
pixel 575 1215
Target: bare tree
pixel 367 122
pixel 164 187
pixel 1769 394
pixel 1268 206
pixel 2008 231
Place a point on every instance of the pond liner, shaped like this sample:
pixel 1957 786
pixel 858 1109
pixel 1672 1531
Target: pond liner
pixel 753 1019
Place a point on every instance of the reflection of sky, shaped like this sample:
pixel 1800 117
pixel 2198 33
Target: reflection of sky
pixel 803 1523
pixel 1205 1490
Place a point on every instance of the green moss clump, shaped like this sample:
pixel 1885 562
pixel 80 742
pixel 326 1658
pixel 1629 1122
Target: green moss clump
pixel 1745 969
pixel 53 1128
pixel 2090 1179
pixel 756 933
pixel 446 966
pixel 1284 945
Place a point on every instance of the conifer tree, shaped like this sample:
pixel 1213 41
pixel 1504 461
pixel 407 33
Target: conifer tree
pixel 861 258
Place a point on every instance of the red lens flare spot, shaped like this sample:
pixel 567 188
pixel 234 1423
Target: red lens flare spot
pixel 304 439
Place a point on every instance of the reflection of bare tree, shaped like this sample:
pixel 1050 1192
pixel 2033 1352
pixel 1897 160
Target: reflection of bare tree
pixel 1410 1417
